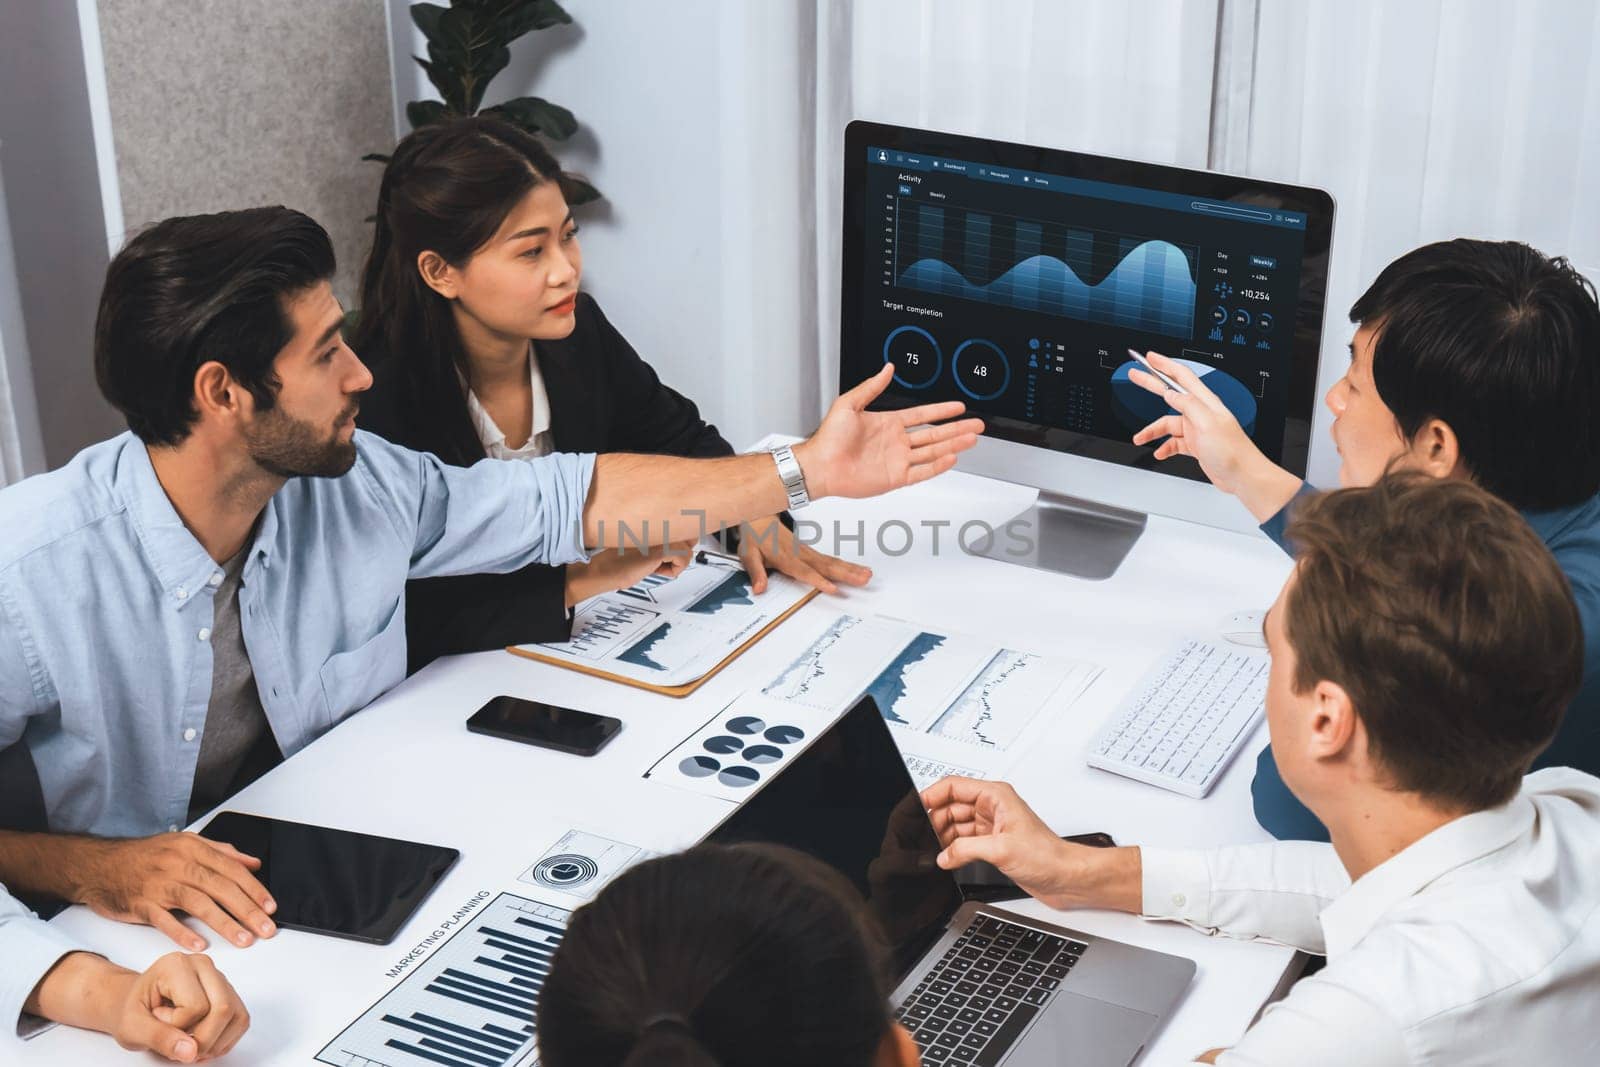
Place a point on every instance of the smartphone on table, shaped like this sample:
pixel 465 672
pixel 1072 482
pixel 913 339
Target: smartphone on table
pixel 533 722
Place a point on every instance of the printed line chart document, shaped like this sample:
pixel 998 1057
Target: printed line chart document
pixel 669 635
pixel 956 704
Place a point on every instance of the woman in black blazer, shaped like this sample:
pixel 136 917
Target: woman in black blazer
pixel 481 345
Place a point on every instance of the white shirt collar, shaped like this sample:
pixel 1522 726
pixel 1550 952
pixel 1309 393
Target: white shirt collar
pixel 493 438
pixel 1353 915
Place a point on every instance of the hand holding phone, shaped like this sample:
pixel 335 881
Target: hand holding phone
pixel 579 733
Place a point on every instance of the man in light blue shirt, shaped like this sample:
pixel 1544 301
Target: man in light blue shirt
pixel 235 565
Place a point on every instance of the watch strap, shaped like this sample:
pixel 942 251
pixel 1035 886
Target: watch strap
pixel 794 479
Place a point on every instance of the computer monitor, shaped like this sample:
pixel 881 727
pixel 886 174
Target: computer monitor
pixel 1015 278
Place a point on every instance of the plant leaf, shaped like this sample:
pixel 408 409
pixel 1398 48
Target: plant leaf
pixel 422 113
pixel 487 66
pixel 495 10
pixel 470 48
pixel 463 32
pixel 520 16
pixel 426 17
pixel 524 16
pixel 578 191
pixel 449 82
pixel 540 116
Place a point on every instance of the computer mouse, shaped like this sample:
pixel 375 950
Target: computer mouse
pixel 1244 628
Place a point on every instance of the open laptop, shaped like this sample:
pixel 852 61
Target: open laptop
pixel 978 984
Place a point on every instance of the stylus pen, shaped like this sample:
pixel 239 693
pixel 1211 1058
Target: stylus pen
pixel 1147 365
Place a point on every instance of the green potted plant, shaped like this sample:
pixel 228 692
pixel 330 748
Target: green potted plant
pixel 469 42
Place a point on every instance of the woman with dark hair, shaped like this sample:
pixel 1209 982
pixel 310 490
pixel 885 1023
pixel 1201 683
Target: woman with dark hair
pixel 482 345
pixel 723 956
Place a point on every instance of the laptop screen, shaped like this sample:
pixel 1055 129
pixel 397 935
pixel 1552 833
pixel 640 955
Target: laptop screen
pixel 849 801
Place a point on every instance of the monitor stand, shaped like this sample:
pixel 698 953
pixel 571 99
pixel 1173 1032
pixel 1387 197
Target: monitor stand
pixel 1065 534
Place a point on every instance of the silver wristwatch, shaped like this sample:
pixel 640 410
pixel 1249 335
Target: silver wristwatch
pixel 794 479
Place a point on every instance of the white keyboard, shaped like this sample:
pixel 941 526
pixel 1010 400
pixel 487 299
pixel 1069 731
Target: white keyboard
pixel 1184 722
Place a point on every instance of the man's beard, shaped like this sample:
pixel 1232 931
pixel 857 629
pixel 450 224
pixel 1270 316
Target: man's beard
pixel 283 445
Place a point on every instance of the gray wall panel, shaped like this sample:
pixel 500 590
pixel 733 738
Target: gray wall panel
pixel 219 104
pixel 57 225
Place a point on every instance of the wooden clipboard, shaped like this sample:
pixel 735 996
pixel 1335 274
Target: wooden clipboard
pixel 684 689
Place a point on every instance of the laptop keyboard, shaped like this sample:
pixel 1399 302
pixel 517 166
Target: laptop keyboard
pixel 981 994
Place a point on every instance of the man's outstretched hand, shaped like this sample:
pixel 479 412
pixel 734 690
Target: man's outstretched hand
pixel 861 453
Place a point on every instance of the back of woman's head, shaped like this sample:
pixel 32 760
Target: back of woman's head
pixel 447 189
pixel 734 956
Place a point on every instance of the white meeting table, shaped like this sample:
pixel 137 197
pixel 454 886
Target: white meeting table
pixel 406 767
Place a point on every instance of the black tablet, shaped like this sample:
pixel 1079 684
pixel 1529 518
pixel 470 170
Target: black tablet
pixel 336 882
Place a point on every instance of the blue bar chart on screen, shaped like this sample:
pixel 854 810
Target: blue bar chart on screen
pixel 1110 278
pixel 472 1003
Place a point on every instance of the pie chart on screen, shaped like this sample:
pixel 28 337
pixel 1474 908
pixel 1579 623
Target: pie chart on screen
pixel 1137 408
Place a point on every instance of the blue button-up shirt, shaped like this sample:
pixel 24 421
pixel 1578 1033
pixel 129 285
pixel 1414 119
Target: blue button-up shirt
pixel 106 608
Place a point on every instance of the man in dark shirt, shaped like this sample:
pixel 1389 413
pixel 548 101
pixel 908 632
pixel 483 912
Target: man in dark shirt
pixel 1471 359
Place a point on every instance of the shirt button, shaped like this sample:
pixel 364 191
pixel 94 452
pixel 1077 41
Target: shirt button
pixel 215 580
pixel 1179 900
pixel 205 633
pixel 180 592
pixel 188 735
pixel 172 828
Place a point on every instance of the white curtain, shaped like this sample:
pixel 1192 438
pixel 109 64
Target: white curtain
pixel 21 450
pixel 1426 120
pixel 1131 79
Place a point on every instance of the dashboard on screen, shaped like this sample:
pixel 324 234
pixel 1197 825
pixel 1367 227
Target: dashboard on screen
pixel 1016 278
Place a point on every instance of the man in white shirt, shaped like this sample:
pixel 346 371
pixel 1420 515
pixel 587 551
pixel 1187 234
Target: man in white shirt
pixel 1422 653
pixel 180 1007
